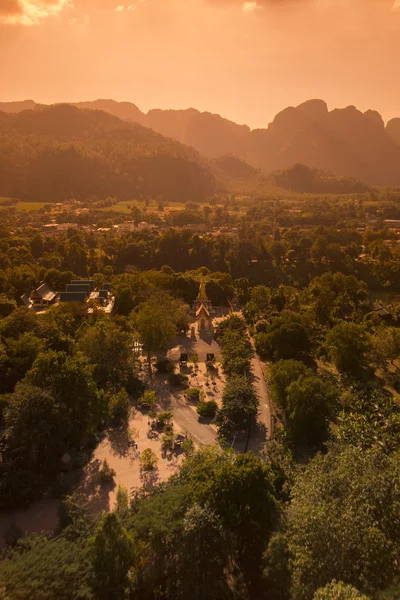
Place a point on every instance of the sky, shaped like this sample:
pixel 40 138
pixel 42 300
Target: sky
pixel 245 60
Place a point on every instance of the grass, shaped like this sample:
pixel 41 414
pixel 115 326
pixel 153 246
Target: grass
pixel 125 206
pixel 29 206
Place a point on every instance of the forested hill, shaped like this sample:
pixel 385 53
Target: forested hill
pixel 61 151
pixel 346 141
pixel 302 179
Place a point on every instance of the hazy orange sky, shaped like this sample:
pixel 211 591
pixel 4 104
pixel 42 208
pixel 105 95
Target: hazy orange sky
pixel 244 60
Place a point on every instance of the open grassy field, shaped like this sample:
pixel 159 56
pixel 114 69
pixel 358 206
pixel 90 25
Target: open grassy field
pixel 29 206
pixel 125 206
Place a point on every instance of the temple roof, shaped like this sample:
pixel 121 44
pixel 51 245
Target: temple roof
pixel 202 308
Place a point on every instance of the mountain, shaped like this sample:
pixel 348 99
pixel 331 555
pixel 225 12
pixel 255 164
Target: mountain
pixel 344 141
pixel 393 129
pixel 302 179
pixel 61 151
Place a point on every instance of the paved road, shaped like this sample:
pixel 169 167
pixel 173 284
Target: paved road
pixel 187 420
pixel 264 431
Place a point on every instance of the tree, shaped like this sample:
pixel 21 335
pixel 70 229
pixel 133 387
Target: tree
pixel 200 574
pixel 337 590
pixel 69 379
pixel 239 406
pixel 343 522
pixel 282 374
pixel 156 327
pixel 347 345
pixel 286 337
pixel 309 406
pixel 109 350
pixel 385 346
pixel 112 555
pixel 239 489
pixel 119 407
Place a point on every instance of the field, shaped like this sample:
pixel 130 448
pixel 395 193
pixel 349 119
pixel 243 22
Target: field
pixel 29 206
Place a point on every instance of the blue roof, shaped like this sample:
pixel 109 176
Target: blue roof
pixel 73 297
pixel 83 281
pixel 81 287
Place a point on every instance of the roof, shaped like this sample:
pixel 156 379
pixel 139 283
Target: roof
pixel 78 287
pixel 25 299
pixel 43 292
pixel 89 282
pixel 73 297
pixel 202 308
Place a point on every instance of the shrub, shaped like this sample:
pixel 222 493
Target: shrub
pixel 164 418
pixel 147 400
pixel 118 407
pixel 178 379
pixel 164 365
pixel 148 460
pixel 207 409
pixel 194 394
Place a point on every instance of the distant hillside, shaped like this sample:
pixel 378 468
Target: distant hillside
pixel 345 141
pixel 60 151
pixel 305 180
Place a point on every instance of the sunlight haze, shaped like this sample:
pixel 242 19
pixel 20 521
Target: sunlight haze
pixel 243 60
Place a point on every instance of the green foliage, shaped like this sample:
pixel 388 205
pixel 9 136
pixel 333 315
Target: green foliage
pixel 148 460
pixel 40 568
pixel 310 403
pixel 207 410
pixel 343 521
pixel 282 374
pixel 194 394
pixel 287 337
pixel 112 555
pixel 148 399
pixel 337 590
pixel 108 349
pixel 119 407
pixel 66 148
pixel 239 406
pixel 369 416
pixel 347 345
pixel 178 380
pixel 69 379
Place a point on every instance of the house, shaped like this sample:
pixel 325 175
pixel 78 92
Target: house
pixel 39 299
pixel 126 227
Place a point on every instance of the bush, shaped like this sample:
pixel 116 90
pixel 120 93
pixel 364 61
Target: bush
pixel 164 418
pixel 164 365
pixel 147 400
pixel 207 409
pixel 194 394
pixel 148 460
pixel 178 379
pixel 118 407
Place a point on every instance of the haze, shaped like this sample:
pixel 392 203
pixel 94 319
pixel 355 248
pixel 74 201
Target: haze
pixel 244 60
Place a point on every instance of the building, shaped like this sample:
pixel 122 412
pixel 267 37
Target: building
pixel 39 299
pixel 203 309
pixel 126 227
pixel 84 292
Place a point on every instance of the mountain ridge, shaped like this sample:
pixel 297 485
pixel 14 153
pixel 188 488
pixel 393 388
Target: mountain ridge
pixel 345 142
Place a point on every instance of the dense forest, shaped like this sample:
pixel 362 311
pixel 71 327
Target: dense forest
pixel 62 152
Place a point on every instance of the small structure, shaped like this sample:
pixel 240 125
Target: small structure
pixel 39 299
pixel 203 308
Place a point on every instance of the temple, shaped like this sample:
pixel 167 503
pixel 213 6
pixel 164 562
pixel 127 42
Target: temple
pixel 203 309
